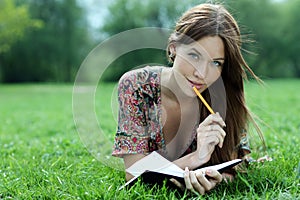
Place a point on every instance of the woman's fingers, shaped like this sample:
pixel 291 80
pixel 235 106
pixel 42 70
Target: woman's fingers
pixel 187 179
pixel 195 183
pixel 227 177
pixel 191 182
pixel 209 179
pixel 177 183
pixel 207 185
pixel 213 130
pixel 218 131
pixel 211 126
pixel 214 119
pixel 215 136
pixel 214 174
pixel 201 181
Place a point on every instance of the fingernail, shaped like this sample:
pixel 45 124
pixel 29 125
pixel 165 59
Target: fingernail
pixel 186 169
pixel 208 171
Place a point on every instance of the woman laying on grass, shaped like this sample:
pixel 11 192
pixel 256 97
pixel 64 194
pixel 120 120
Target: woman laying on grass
pixel 159 111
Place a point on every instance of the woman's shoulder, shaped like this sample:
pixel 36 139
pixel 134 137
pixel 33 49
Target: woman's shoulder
pixel 141 76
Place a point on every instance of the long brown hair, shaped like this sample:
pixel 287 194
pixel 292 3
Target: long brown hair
pixel 214 20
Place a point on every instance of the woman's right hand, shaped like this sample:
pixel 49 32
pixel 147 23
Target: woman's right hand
pixel 209 134
pixel 199 181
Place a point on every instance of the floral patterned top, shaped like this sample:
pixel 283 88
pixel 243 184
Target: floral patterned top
pixel 140 116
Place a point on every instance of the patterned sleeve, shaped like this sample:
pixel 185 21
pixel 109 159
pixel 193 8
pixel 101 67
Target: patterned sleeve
pixel 132 136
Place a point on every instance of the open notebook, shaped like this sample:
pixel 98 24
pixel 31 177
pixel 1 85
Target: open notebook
pixel 154 168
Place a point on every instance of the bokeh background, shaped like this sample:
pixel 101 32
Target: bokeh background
pixel 47 40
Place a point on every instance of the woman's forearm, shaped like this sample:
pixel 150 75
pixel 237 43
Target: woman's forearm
pixel 191 161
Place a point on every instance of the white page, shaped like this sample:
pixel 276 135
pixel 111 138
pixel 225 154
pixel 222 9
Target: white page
pixel 154 162
pixel 157 163
pixel 222 165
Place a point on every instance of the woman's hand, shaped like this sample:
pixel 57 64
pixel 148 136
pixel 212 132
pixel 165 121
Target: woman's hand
pixel 227 177
pixel 199 181
pixel 209 134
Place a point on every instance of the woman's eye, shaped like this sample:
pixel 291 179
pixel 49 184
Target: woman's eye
pixel 217 63
pixel 194 56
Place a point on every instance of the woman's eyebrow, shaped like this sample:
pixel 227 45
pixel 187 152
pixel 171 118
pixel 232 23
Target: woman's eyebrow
pixel 219 59
pixel 194 49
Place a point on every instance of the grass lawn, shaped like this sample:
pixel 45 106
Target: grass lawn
pixel 42 156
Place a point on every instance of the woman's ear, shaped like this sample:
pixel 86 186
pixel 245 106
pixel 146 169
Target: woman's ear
pixel 171 53
pixel 172 49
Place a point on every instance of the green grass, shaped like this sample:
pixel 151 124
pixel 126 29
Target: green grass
pixel 43 157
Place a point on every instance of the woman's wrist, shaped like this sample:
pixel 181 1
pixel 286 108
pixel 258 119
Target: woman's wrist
pixel 196 161
pixel 191 161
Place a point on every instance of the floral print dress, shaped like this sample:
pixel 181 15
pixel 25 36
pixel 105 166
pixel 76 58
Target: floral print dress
pixel 139 121
pixel 140 116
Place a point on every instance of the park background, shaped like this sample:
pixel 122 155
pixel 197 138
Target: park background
pixel 47 40
pixel 43 44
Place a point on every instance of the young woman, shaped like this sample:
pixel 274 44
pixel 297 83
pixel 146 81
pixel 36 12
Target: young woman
pixel 159 111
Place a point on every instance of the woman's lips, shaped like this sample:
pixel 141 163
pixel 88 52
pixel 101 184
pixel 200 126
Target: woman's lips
pixel 197 85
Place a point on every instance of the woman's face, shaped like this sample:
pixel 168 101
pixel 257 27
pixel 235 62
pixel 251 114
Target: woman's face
pixel 198 64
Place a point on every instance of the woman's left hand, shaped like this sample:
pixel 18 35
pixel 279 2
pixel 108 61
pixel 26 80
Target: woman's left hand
pixel 227 177
pixel 199 181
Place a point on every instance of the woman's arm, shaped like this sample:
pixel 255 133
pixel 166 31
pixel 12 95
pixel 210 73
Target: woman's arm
pixel 129 160
pixel 209 134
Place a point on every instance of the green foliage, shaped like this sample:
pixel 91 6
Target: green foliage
pixel 269 30
pixel 47 40
pixel 148 13
pixel 42 156
pixel 265 28
pixel 14 22
pixel 131 60
pixel 54 52
pixel 259 27
pixel 290 34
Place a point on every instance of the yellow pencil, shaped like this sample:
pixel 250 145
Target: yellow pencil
pixel 203 100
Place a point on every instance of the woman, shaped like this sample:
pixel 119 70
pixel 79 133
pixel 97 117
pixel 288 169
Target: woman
pixel 159 110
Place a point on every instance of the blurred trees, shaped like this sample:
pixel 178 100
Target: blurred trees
pixel 260 25
pixel 46 40
pixel 125 15
pixel 290 34
pixel 14 21
pixel 264 23
pixel 53 52
pixel 269 30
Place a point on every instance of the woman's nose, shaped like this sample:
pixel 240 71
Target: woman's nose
pixel 201 71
